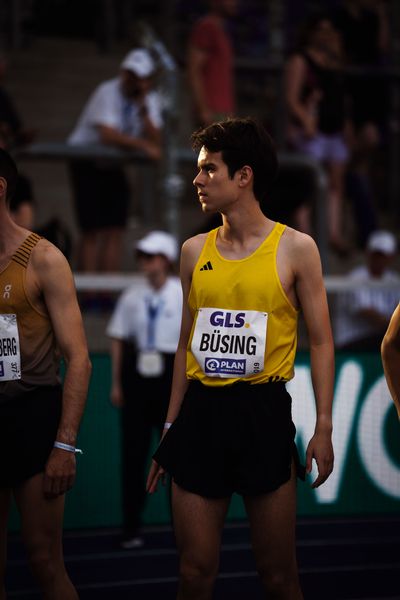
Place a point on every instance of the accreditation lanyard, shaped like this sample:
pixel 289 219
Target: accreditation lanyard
pixel 153 312
pixel 129 118
pixel 150 362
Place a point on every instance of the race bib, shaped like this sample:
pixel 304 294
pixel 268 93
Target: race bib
pixel 10 356
pixel 150 363
pixel 230 343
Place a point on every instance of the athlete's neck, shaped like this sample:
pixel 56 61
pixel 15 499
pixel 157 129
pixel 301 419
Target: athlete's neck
pixel 242 225
pixel 237 242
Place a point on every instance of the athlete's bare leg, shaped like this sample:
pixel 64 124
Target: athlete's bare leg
pixel 272 521
pixel 198 523
pixel 5 497
pixel 41 528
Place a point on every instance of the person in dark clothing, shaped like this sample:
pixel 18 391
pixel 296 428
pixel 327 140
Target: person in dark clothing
pixel 13 133
pixel 317 118
pixel 364 27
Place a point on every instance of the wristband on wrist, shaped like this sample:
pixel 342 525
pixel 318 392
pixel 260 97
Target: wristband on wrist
pixel 67 447
pixel 167 425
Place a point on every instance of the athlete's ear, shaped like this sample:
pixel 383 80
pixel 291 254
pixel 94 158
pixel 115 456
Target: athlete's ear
pixel 245 175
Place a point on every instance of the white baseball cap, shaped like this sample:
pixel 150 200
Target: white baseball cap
pixel 159 242
pixel 140 62
pixel 382 241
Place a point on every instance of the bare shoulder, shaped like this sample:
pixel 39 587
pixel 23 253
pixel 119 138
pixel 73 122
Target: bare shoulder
pixel 195 243
pixel 190 253
pixel 47 259
pixel 192 248
pixel 295 242
pixel 300 253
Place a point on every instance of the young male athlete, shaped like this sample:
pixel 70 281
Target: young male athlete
pixel 229 426
pixel 39 419
pixel 390 351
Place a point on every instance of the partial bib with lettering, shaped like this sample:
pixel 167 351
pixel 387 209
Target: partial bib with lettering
pixel 230 343
pixel 10 356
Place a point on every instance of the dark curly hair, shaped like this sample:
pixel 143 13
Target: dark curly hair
pixel 242 141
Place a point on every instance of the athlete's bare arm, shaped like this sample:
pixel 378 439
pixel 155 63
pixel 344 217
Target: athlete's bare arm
pixel 311 294
pixel 391 357
pixel 50 285
pixel 190 252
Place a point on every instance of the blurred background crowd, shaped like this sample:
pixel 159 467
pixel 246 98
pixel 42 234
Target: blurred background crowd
pixel 98 100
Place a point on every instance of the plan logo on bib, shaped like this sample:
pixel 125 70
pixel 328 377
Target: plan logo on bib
pixel 214 366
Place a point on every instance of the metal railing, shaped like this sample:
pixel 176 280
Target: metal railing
pixel 341 292
pixel 172 183
pixel 117 282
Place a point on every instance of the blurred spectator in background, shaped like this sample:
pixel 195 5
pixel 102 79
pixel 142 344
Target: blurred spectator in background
pixel 144 331
pixel 14 135
pixel 12 131
pixel 126 113
pixel 23 209
pixel 210 64
pixel 362 316
pixel 364 26
pixel 317 118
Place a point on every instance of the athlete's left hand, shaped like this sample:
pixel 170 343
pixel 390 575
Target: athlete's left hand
pixel 320 449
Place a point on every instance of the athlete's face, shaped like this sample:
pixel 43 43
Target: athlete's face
pixel 215 189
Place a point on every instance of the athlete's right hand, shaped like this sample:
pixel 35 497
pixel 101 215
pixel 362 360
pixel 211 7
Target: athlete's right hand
pixel 59 473
pixel 155 474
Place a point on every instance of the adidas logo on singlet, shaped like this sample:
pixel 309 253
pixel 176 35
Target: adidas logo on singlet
pixel 207 267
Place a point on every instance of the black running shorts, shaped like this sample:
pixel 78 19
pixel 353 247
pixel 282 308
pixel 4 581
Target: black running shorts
pixel 236 438
pixel 28 428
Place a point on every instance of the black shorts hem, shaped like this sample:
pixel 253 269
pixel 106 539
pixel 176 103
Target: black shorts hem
pixel 256 491
pixel 245 444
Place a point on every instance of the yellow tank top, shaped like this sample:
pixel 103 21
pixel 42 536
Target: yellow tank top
pixel 244 325
pixel 28 351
